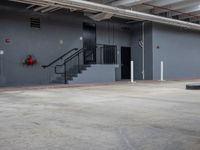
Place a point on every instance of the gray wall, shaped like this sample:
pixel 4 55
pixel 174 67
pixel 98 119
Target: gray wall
pixel 179 49
pixel 137 51
pixel 44 43
pixel 148 51
pixel 115 34
pixel 93 74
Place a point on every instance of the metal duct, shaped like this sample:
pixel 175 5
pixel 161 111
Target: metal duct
pixel 130 14
pixel 101 16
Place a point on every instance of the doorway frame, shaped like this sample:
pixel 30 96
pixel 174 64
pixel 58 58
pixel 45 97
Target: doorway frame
pixel 129 73
pixel 94 52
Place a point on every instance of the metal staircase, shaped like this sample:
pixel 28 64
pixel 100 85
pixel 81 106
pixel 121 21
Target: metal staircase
pixel 70 74
pixel 71 65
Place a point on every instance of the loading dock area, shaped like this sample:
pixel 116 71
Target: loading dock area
pixel 99 75
pixel 121 116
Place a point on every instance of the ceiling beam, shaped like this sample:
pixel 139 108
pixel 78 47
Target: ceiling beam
pixel 183 17
pixel 129 3
pixel 30 6
pixel 40 8
pixel 165 2
pixel 30 2
pixel 177 6
pixel 43 3
pixel 186 10
pixel 196 18
pixel 51 9
pixel 160 3
pixel 129 14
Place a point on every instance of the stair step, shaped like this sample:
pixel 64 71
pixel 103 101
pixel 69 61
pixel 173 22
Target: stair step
pixel 71 74
pixel 57 81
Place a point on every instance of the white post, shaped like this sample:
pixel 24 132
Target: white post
pixel 132 71
pixel 2 78
pixel 1 62
pixel 162 71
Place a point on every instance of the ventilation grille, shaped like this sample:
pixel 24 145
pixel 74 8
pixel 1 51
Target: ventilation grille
pixel 35 23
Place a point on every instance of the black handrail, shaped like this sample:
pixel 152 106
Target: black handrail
pixel 76 54
pixel 59 58
pixel 71 57
pixel 67 60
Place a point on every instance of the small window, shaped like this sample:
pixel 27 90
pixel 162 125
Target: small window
pixel 35 23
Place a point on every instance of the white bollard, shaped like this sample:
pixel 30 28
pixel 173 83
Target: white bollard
pixel 161 71
pixel 132 71
pixel 1 62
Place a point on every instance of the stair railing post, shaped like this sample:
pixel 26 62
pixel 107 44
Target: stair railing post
pixel 78 64
pixel 65 72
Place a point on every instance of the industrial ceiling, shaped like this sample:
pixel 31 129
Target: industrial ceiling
pixel 187 10
pixel 184 13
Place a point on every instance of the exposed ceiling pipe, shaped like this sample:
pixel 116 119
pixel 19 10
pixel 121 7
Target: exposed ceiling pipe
pixel 40 3
pixel 117 11
pixel 44 8
pixel 54 9
pixel 30 2
pixel 31 6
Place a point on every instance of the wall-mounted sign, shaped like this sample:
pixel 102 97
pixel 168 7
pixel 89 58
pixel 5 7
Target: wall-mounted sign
pixel 7 40
pixel 61 42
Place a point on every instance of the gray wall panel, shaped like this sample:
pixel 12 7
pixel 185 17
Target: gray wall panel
pixel 44 43
pixel 96 74
pixel 179 49
pixel 148 52
pixel 137 51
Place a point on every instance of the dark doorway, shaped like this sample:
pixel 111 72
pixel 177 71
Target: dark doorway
pixel 89 43
pixel 125 62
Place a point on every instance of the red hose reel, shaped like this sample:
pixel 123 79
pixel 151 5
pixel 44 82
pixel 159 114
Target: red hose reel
pixel 30 61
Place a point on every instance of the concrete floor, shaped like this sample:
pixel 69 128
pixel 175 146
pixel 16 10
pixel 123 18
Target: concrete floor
pixel 123 116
